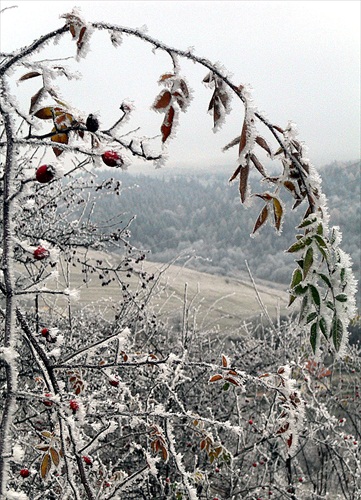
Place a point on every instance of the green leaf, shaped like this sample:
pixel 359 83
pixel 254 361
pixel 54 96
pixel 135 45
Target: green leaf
pixel 311 317
pixel 292 299
pixel 341 297
pixel 323 326
pixel 320 241
pixel 313 337
pixel 303 309
pixel 337 332
pixel 306 223
pixel 299 290
pixel 226 386
pixel 308 261
pixel 330 305
pixel 315 296
pixel 296 278
pixel 320 229
pixel 296 247
pixel 325 279
pixel 342 275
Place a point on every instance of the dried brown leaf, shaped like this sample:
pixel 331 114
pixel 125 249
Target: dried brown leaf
pixel 166 127
pixel 243 140
pixel 262 142
pixel 45 466
pixel 215 378
pixel 80 41
pixel 224 361
pixel 243 181
pixel 163 100
pixel 35 99
pixel 54 456
pixel 261 219
pixel 277 212
pixel 258 165
pixel 32 74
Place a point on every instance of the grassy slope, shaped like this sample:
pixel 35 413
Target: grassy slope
pixel 212 300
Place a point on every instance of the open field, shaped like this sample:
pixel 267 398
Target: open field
pixel 209 300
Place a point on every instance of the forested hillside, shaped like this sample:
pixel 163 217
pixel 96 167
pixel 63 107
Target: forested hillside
pixel 200 215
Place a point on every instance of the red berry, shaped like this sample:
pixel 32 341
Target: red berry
pixel 250 422
pixel 87 460
pixel 24 473
pixel 112 159
pixel 217 469
pixel 300 479
pixel 45 174
pixel 45 332
pixel 74 405
pixel 114 382
pixel 47 403
pixel 41 253
pixel 254 464
pixel 167 480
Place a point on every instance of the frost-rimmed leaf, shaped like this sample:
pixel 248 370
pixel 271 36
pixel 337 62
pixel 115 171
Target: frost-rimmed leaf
pixel 299 245
pixel 261 219
pixel 304 306
pixel 166 127
pixel 216 377
pixel 308 261
pixel 243 181
pixel 54 456
pixel 258 165
pixel 323 326
pixel 311 317
pixel 45 466
pixel 325 279
pixel 313 337
pixel 277 212
pixel 60 139
pixel 263 143
pixel 306 223
pixel 341 297
pixel 31 74
pixel 163 100
pixel 296 278
pixel 337 332
pixel 315 296
pixel 243 139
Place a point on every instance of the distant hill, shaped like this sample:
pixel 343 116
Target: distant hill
pixel 199 215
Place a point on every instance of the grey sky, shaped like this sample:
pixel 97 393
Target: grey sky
pixel 302 59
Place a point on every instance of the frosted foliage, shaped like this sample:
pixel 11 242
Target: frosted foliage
pixel 114 385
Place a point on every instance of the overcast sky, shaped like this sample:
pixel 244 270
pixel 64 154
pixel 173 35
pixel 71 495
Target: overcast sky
pixel 302 59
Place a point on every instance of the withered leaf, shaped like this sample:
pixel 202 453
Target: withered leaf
pixel 45 466
pixel 232 143
pixel 224 361
pixel 61 139
pixel 258 165
pixel 208 78
pixel 45 113
pixel 54 456
pixel 72 30
pixel 32 74
pixel 166 76
pixel 235 173
pixel 166 127
pixel 164 454
pixel 215 378
pixel 261 219
pixel 163 100
pixel 243 181
pixel 277 212
pixel 279 129
pixel 35 99
pixel 80 41
pixel 262 142
pixel 243 140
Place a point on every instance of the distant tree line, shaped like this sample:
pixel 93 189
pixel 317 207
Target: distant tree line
pixel 199 215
